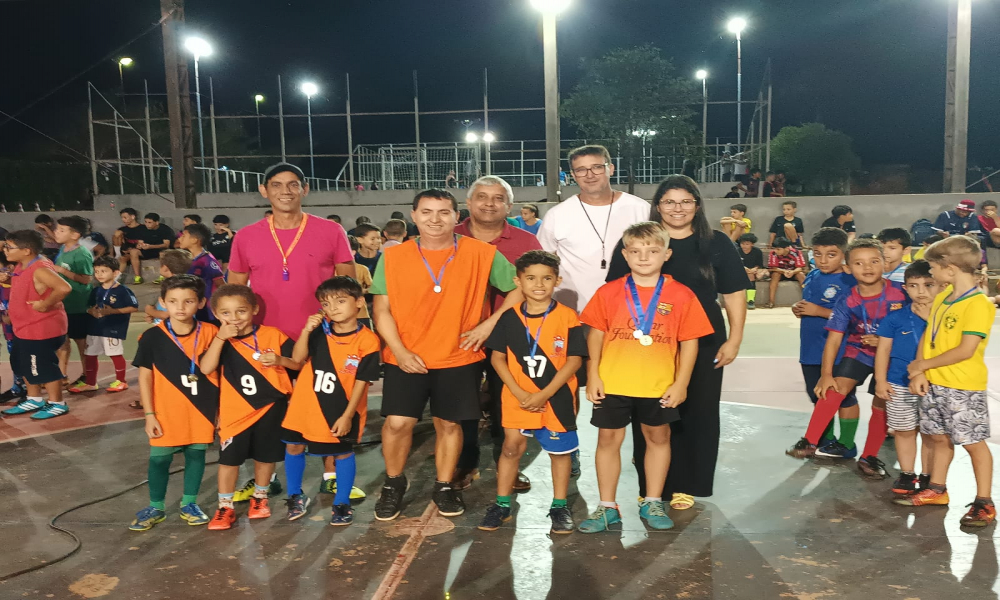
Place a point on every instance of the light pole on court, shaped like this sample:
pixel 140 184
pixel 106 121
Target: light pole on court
pixel 124 61
pixel 737 26
pixel 257 99
pixel 956 105
pixel 702 74
pixel 549 10
pixel 310 89
pixel 199 47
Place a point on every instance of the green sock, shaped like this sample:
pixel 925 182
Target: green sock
pixel 185 500
pixel 828 434
pixel 159 505
pixel 503 501
pixel 751 294
pixel 848 427
pixel 556 503
pixel 194 470
pixel 158 475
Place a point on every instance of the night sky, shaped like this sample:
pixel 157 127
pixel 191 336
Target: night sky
pixel 873 68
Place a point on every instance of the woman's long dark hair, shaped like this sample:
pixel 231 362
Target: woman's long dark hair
pixel 699 225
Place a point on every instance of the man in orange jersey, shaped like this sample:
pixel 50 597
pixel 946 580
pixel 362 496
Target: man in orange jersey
pixel 430 295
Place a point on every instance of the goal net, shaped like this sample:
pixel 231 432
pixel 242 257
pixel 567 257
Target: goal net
pixel 407 167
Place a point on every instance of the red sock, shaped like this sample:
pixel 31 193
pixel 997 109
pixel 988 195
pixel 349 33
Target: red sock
pixel 822 415
pixel 877 431
pixel 90 368
pixel 119 362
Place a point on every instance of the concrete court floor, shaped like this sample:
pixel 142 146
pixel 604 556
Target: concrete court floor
pixel 776 528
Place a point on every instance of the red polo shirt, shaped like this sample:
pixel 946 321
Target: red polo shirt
pixel 512 243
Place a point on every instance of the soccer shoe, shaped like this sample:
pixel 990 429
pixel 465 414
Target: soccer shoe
pixel 923 481
pixel 655 516
pixel 193 514
pixel 51 411
pixel 905 484
pixel 297 506
pixel 80 387
pixel 464 477
pixel 801 449
pixel 13 394
pixel 496 516
pixel 137 280
pixel 980 514
pixel 522 483
pixel 224 518
pixel 836 450
pixel 342 515
pixel 872 467
pixel 927 497
pixel 156 281
pixel 448 500
pixel 259 508
pixel 574 464
pixel 390 501
pixel 116 386
pixel 146 518
pixel 329 486
pixel 274 488
pixel 751 305
pixel 562 520
pixel 600 520
pixel 25 406
pixel 244 493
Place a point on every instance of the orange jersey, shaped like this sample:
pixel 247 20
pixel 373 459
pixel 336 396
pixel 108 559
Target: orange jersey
pixel 560 336
pixel 627 367
pixel 186 407
pixel 430 323
pixel 326 382
pixel 248 389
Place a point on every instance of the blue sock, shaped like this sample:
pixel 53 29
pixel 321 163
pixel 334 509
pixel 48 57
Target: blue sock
pixel 346 467
pixel 295 466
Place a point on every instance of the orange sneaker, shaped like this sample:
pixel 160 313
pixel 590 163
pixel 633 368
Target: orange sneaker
pixel 925 497
pixel 223 519
pixel 117 386
pixel 980 515
pixel 259 508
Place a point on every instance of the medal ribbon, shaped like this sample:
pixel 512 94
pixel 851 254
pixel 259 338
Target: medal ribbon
pixel 291 248
pixel 197 332
pixel 527 328
pixel 871 327
pixel 440 276
pixel 643 317
pixel 255 347
pixel 935 324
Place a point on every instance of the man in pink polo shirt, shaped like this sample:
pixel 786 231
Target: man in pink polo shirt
pixel 285 257
pixel 489 201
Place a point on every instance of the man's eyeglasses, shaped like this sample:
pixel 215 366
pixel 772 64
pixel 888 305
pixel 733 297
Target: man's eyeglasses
pixel 596 170
pixel 9 247
pixel 685 204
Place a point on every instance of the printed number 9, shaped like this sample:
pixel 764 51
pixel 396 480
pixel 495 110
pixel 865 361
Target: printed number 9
pixel 249 385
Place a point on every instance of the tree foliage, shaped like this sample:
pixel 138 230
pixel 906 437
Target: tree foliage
pixel 632 90
pixel 819 158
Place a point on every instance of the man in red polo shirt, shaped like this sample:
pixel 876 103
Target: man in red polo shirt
pixel 489 202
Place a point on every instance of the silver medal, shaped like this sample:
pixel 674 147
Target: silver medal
pixel 437 289
pixel 256 355
pixel 646 340
pixel 637 334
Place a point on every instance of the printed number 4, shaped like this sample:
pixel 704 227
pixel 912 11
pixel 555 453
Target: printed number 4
pixel 536 366
pixel 325 382
pixel 191 385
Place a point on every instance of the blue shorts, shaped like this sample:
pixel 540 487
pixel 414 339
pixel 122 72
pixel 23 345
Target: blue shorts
pixel 554 442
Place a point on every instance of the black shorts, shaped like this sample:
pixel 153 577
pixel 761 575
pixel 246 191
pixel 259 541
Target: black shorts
pixel 453 392
pixel 36 360
pixel 150 254
pixel 78 326
pixel 615 412
pixel 260 442
pixel 289 436
pixel 853 369
pixel 811 375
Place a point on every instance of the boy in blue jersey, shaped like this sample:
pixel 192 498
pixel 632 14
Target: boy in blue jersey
pixel 824 287
pixel 898 337
pixel 856 317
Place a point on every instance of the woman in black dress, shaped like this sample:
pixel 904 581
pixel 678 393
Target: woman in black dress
pixel 707 262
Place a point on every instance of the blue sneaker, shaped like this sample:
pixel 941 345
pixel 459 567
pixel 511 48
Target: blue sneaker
pixel 656 517
pixel 837 450
pixel 574 461
pixel 50 411
pixel 343 514
pixel 600 520
pixel 146 518
pixel 297 506
pixel 26 406
pixel 193 514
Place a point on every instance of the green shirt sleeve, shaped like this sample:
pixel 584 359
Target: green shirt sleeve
pixel 502 273
pixel 81 262
pixel 378 279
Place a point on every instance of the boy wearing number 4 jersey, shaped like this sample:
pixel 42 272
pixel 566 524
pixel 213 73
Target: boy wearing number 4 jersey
pixel 329 407
pixel 537 349
pixel 253 394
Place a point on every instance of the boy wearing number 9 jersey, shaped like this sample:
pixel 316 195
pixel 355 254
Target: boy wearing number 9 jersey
pixel 537 349
pixel 329 406
pixel 254 386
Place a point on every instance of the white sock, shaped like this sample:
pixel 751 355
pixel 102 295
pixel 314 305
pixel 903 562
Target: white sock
pixel 36 398
pixel 652 499
pixel 274 476
pixel 328 476
pixel 608 504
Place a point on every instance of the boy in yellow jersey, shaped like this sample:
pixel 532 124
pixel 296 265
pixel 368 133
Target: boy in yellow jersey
pixel 950 375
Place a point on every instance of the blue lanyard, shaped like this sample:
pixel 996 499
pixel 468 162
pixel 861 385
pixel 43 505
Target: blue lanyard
pixel 329 330
pixel 255 348
pixel 27 266
pixel 527 328
pixel 935 324
pixel 197 332
pixel 872 326
pixel 643 317
pixel 103 302
pixel 440 276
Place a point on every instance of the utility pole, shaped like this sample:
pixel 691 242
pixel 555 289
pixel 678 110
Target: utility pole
pixel 178 106
pixel 956 104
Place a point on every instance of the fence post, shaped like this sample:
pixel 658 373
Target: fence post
pixel 767 166
pixel 486 119
pixel 149 139
pixel 350 138
pixel 281 122
pixel 118 155
pixel 93 154
pixel 416 131
pixel 215 141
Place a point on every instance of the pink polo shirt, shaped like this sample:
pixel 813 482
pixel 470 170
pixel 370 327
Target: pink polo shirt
pixel 288 304
pixel 512 243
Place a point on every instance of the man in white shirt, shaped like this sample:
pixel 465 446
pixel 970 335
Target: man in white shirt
pixel 583 229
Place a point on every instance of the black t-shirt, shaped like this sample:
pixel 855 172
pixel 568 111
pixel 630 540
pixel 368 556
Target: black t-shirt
pixel 157 236
pixel 221 245
pixel 847 227
pixel 768 189
pixel 728 275
pixel 778 225
pixel 753 260
pixel 133 235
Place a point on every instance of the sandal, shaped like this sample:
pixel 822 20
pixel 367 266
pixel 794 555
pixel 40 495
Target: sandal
pixel 681 501
pixel 137 404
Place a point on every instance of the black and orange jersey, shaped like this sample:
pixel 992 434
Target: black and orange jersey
pixel 185 406
pixel 326 382
pixel 560 337
pixel 248 389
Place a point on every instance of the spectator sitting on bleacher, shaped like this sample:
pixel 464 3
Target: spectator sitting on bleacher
pixel 133 233
pixel 928 241
pixel 787 225
pixel 785 262
pixel 191 219
pixel 734 192
pixel 736 224
pixel 753 263
pixel 158 238
pixel 961 221
pixel 990 224
pixel 843 218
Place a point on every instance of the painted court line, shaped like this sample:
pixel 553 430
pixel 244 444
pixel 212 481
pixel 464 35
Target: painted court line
pixel 405 556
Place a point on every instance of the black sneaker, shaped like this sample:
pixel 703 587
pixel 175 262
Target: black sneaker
pixel 562 520
pixel 923 481
pixel 448 499
pixel 872 467
pixel 13 394
pixel 836 450
pixel 905 485
pixel 801 449
pixel 391 499
pixel 496 516
pixel 751 305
